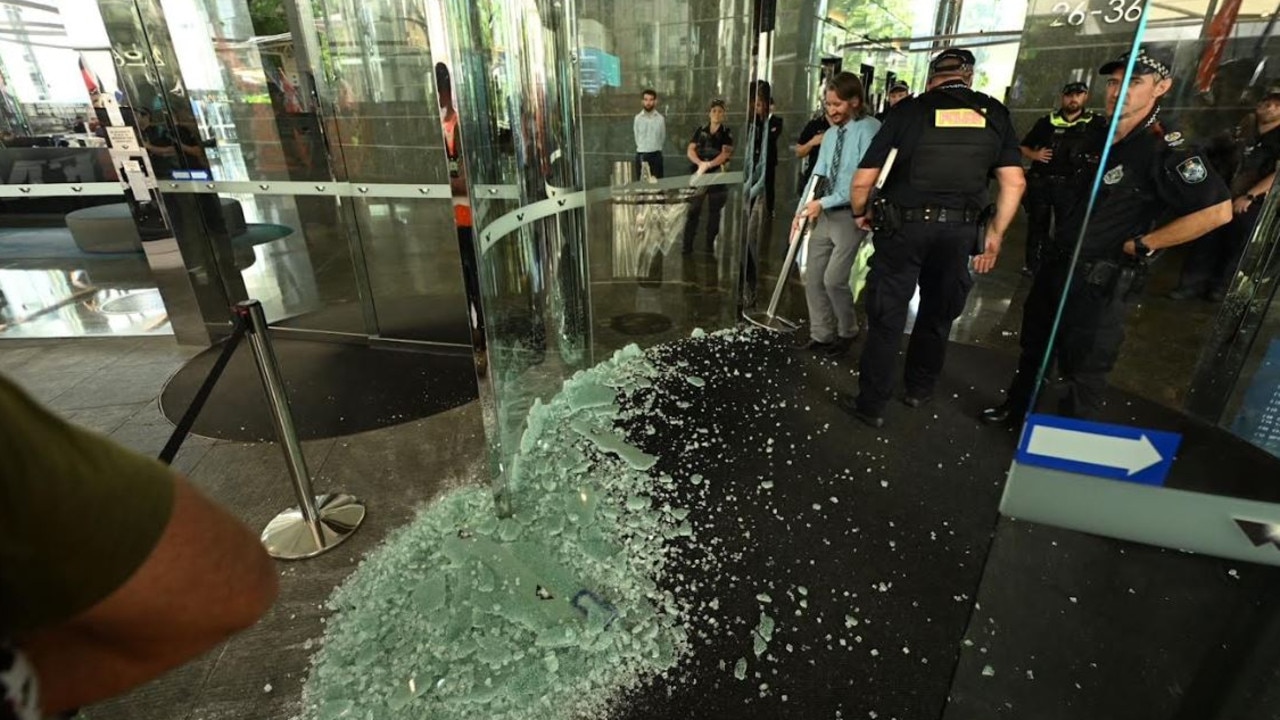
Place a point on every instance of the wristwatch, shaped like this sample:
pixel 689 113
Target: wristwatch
pixel 1140 248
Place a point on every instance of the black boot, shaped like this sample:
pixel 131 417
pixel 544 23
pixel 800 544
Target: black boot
pixel 1006 413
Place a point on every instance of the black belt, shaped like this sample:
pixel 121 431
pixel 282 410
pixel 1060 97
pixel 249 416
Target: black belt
pixel 930 214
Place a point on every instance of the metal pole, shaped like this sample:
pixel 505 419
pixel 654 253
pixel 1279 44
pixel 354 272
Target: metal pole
pixel 797 240
pixel 316 524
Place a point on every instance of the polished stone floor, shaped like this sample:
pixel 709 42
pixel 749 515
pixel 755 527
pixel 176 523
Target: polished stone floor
pixel 111 385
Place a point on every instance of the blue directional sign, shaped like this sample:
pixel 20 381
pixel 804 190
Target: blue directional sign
pixel 1118 452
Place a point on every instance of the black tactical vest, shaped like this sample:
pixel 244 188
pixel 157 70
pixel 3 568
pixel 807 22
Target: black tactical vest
pixel 957 147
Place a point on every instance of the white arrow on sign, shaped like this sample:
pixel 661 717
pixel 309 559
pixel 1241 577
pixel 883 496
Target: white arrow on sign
pixel 1129 454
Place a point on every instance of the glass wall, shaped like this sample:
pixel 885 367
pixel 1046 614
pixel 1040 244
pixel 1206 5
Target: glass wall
pixel 581 249
pixel 71 260
pixel 664 239
pixel 1161 304
pixel 301 140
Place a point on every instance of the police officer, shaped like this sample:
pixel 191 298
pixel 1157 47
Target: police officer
pixel 1213 261
pixel 934 214
pixel 1150 174
pixel 1055 146
pixel 898 92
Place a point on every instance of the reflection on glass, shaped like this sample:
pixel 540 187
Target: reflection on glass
pixel 1164 185
pixel 1238 379
pixel 73 262
pixel 688 54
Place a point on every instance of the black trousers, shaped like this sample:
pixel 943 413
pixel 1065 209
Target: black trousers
pixel 1047 201
pixel 1089 336
pixel 935 256
pixel 655 163
pixel 716 197
pixel 1214 258
pixel 770 181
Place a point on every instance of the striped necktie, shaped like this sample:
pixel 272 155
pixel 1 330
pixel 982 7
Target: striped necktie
pixel 833 169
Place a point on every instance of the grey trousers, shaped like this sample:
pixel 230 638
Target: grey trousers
pixel 833 245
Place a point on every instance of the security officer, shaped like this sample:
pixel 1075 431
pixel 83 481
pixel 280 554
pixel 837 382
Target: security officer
pixel 710 150
pixel 1150 174
pixel 1055 146
pixel 934 214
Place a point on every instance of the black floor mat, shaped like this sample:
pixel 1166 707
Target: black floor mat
pixel 870 547
pixel 885 531
pixel 334 389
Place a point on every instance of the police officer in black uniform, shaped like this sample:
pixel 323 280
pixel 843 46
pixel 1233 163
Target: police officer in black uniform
pixel 1055 146
pixel 1151 174
pixel 934 214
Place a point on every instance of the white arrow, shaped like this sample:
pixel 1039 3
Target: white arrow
pixel 1125 453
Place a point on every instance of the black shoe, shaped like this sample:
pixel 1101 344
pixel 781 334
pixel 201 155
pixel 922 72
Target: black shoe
pixel 1183 293
pixel 917 400
pixel 1002 414
pixel 839 347
pixel 816 346
pixel 849 404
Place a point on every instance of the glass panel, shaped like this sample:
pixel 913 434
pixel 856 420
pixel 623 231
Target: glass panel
pixel 414 269
pixel 377 71
pixel 283 249
pixel 244 114
pixel 1242 358
pixel 71 261
pixel 656 273
pixel 1192 137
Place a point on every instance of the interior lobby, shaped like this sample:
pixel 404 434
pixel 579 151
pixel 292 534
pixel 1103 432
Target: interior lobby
pixel 488 332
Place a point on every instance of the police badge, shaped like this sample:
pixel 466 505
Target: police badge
pixel 1193 170
pixel 1114 175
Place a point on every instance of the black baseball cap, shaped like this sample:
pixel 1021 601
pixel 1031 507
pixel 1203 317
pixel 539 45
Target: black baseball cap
pixel 1271 93
pixel 1074 87
pixel 950 60
pixel 1150 61
pixel 716 103
pixel 899 86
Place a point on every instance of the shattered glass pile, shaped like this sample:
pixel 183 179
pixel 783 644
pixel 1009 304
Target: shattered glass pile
pixel 552 611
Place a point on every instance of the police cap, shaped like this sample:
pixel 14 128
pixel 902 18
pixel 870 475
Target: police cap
pixel 1074 87
pixel 951 60
pixel 899 86
pixel 1150 61
pixel 1271 93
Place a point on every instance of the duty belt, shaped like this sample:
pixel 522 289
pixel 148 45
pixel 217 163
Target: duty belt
pixel 931 214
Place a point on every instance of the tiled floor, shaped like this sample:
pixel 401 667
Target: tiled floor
pixel 111 384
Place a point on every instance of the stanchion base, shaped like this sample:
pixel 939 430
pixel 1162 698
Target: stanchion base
pixel 288 537
pixel 760 318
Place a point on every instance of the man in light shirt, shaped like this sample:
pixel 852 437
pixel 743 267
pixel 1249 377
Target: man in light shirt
pixel 651 136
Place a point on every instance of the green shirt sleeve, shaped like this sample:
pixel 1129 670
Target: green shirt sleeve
pixel 78 514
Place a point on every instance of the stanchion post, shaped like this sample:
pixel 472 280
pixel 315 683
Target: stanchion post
pixel 317 523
